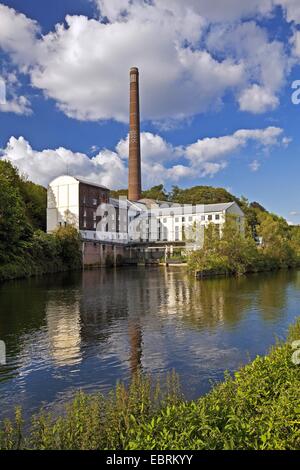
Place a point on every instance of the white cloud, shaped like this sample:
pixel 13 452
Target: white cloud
pixel 43 166
pixel 161 162
pixel 295 213
pixel 153 148
pixel 254 166
pixel 83 64
pixel 216 148
pixel 257 100
pixel 212 10
pixel 295 42
pixel 10 100
pixel 16 104
pixel 291 9
pixel 265 63
pixel 17 34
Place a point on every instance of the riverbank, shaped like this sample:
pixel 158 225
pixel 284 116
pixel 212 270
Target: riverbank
pixel 28 268
pixel 43 254
pixel 236 252
pixel 258 408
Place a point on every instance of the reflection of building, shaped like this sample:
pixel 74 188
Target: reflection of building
pixel 64 331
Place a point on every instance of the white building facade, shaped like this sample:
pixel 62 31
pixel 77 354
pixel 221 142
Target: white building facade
pixel 88 207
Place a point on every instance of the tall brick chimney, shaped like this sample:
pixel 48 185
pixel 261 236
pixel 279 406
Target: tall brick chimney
pixel 134 164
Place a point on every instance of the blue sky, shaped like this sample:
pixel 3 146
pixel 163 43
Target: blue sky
pixel 215 92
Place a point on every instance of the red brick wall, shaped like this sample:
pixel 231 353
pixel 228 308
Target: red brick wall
pixel 87 193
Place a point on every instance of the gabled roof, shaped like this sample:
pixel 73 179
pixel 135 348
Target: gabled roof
pixel 218 207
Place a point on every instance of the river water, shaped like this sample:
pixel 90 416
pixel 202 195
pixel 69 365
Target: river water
pixel 87 330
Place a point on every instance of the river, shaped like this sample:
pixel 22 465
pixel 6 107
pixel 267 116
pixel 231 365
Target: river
pixel 87 330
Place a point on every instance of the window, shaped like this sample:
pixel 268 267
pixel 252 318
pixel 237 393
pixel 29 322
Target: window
pixel 190 219
pixel 217 217
pixel 183 219
pixel 84 213
pixel 94 215
pixel 202 217
pixel 94 202
pixel 95 225
pixel 176 219
pixel 209 217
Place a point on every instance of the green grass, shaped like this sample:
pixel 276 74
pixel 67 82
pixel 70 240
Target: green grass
pixel 258 408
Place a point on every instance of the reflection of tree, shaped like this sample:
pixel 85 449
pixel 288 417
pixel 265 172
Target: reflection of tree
pixel 208 302
pixel 23 307
pixel 272 293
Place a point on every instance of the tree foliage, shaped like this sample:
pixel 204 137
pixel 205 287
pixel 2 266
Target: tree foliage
pixel 235 252
pixel 32 196
pixel 25 248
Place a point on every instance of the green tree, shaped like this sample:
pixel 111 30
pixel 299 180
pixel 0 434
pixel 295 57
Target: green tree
pixel 229 251
pixel 13 224
pixel 156 192
pixel 69 246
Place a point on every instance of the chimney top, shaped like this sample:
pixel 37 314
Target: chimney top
pixel 134 70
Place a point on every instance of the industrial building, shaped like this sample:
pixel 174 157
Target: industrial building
pixel 115 226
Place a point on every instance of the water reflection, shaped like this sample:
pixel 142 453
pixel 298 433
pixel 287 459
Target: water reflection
pixel 69 331
pixel 64 331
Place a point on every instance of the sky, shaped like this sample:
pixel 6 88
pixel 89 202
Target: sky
pixel 217 103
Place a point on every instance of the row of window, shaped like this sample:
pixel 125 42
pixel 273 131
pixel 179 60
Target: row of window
pixel 209 217
pixel 112 217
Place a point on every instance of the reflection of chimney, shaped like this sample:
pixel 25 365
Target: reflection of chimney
pixel 134 179
pixel 136 343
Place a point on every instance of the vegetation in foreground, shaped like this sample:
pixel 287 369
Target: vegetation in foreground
pixel 258 408
pixel 25 249
pixel 237 253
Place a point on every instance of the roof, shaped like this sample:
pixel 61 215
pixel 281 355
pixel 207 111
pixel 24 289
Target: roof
pixel 217 207
pixel 144 205
pixel 90 183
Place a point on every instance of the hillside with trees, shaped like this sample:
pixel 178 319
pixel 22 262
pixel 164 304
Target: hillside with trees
pixel 202 195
